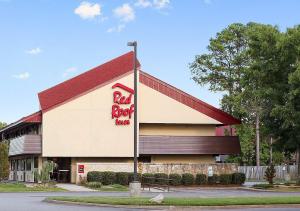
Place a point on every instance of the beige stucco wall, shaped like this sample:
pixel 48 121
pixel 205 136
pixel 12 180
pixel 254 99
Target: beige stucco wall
pixel 156 107
pixel 83 127
pixel 177 130
pixel 99 164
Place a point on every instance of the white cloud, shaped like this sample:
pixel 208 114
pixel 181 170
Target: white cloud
pixel 207 1
pixel 118 29
pixel 22 76
pixel 87 10
pixel 34 51
pixel 69 71
pixel 143 3
pixel 160 4
pixel 125 13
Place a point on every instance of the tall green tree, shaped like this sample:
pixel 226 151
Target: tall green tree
pixel 4 163
pixel 240 62
pixel 2 125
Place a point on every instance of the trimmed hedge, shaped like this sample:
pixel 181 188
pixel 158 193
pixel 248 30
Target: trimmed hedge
pixel 175 179
pixel 94 176
pixel 187 179
pixel 122 178
pixel 161 178
pixel 148 178
pixel 130 177
pixel 214 179
pixel 201 179
pixel 238 178
pixel 109 178
pixel 225 179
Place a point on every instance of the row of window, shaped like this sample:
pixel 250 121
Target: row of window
pixel 24 164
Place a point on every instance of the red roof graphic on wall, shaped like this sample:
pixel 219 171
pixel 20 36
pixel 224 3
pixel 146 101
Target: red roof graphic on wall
pixel 114 69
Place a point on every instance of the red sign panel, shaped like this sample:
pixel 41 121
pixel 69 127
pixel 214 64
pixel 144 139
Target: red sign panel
pixel 80 169
pixel 122 108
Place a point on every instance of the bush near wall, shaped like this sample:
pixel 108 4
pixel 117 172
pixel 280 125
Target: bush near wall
pixel 175 179
pixel 201 179
pixel 94 176
pixel 148 178
pixel 122 178
pixel 161 178
pixel 225 179
pixel 130 177
pixel 109 178
pixel 187 179
pixel 238 178
pixel 214 179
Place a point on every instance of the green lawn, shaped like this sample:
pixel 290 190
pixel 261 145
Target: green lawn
pixel 19 187
pixel 184 201
pixel 114 187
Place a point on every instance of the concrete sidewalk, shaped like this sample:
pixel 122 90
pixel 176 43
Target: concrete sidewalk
pixel 73 187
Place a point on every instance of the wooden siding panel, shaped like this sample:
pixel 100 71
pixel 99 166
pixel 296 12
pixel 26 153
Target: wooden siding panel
pixel 189 145
pixel 26 144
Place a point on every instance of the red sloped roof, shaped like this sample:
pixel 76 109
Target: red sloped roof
pixel 187 99
pixel 33 118
pixel 115 68
pixel 86 81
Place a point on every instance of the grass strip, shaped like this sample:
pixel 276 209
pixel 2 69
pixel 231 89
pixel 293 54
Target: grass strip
pixel 183 201
pixel 19 187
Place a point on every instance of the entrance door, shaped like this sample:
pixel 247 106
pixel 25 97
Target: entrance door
pixel 62 170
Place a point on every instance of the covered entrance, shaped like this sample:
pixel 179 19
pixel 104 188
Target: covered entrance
pixel 62 169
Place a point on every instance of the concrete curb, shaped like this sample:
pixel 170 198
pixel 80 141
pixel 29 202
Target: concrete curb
pixel 265 190
pixel 160 207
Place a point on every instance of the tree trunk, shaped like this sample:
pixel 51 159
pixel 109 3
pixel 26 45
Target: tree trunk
pixel 271 150
pixel 257 121
pixel 298 161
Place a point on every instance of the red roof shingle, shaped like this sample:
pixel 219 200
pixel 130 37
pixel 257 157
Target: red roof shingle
pixel 86 81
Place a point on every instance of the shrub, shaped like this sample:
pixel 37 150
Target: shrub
pixel 94 176
pixel 201 179
pixel 270 173
pixel 94 185
pixel 43 175
pixel 187 179
pixel 238 178
pixel 122 178
pixel 109 178
pixel 175 179
pixel 225 179
pixel 130 176
pixel 161 178
pixel 4 163
pixel 214 179
pixel 148 178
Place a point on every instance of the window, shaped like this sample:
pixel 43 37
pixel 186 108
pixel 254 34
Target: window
pixel 144 159
pixel 28 164
pixel 12 166
pixel 36 162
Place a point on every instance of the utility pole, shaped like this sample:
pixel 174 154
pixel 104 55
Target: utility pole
pixel 135 186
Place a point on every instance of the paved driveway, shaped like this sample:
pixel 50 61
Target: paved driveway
pixel 33 201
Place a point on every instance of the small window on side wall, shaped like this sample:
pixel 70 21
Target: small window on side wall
pixel 144 159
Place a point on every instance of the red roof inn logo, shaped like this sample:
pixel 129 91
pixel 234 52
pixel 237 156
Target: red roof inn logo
pixel 122 109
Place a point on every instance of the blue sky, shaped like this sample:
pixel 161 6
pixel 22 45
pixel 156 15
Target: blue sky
pixel 44 42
